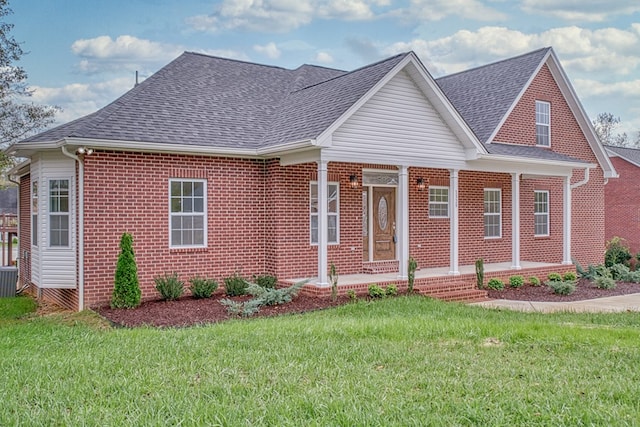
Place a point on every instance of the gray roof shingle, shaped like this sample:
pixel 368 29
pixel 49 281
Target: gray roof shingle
pixel 630 154
pixel 530 152
pixel 484 94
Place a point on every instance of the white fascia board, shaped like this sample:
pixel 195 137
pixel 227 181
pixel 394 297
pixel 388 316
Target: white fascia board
pixel 387 159
pixel 287 148
pixel 300 157
pixel 25 149
pixel 20 169
pixel 511 164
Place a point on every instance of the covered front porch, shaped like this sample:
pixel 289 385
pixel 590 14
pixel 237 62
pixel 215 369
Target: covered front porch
pixel 437 282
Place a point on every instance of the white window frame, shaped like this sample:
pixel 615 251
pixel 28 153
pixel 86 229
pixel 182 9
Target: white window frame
pixel 191 213
pixel 543 121
pixel 492 214
pixel 537 214
pixel 330 214
pixel 35 206
pixel 58 213
pixel 439 203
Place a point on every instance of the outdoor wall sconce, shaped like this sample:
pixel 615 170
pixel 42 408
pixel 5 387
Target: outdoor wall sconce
pixel 420 183
pixel 353 181
pixel 84 150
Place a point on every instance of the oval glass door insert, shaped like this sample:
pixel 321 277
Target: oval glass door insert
pixel 382 213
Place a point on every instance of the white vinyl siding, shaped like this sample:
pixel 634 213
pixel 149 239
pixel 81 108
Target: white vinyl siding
pixel 541 213
pixel 187 213
pixel 492 213
pixel 333 214
pixel 438 202
pixel 398 124
pixel 543 123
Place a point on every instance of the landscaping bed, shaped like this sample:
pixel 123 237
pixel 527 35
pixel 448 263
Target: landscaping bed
pixel 585 290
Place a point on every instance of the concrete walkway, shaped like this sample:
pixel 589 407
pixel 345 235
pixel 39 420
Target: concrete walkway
pixel 630 302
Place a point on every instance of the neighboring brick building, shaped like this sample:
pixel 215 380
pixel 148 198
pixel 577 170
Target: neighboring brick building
pixel 622 205
pixel 218 166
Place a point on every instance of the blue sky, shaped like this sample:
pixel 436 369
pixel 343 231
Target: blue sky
pixel 83 54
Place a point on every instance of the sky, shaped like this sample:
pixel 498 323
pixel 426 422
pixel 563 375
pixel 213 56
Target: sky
pixel 83 54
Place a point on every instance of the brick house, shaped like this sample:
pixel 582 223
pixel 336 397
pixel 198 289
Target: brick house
pixel 219 166
pixel 622 208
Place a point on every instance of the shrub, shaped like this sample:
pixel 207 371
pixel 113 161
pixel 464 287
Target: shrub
pixel 376 291
pixel 569 276
pixel 554 277
pixel 617 252
pixel 265 281
pixel 516 281
pixel 169 286
pixel 391 291
pixel 352 295
pixel 262 296
pixel 562 287
pixel 413 265
pixel 634 277
pixel 333 278
pixel 202 288
pixel 534 281
pixel 235 285
pixel 619 272
pixel 126 288
pixel 480 273
pixel 495 284
pixel 605 282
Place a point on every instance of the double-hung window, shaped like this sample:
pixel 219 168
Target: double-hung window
pixel 332 212
pixel 187 213
pixel 438 202
pixel 492 213
pixel 541 213
pixel 58 213
pixel 34 213
pixel 543 123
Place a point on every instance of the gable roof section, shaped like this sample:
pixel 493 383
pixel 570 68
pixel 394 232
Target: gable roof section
pixel 632 155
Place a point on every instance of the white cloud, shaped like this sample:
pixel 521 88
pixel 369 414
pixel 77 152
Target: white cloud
pixel 581 10
pixel 324 58
pixel 436 10
pixel 593 88
pixel 270 50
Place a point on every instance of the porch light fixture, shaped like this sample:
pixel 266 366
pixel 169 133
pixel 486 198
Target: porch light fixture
pixel 353 181
pixel 84 150
pixel 420 183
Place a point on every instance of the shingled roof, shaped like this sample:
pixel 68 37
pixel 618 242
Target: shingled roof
pixel 483 95
pixel 629 154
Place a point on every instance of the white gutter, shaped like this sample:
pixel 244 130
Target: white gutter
pixel 80 226
pixel 583 182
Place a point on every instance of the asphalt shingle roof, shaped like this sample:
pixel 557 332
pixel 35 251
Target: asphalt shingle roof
pixel 630 154
pixel 530 152
pixel 484 94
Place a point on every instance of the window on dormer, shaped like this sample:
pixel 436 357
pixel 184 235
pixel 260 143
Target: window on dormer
pixel 543 123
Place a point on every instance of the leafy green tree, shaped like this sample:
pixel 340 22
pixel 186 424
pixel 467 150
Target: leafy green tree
pixel 126 289
pixel 18 118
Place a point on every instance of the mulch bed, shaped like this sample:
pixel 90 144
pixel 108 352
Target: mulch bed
pixel 188 311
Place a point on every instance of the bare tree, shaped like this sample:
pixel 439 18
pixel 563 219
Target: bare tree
pixel 605 125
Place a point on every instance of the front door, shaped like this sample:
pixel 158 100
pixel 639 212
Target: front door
pixel 384 223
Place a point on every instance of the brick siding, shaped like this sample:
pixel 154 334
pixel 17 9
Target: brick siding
pixel 622 205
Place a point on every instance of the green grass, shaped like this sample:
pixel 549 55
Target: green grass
pixel 13 308
pixel 399 361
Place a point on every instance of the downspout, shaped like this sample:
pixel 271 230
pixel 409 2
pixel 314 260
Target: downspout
pixel 583 182
pixel 80 226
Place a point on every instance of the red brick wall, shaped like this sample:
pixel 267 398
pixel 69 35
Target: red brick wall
pixel 622 205
pixel 588 239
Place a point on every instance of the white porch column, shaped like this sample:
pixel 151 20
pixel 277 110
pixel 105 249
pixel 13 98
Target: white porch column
pixel 566 223
pixel 402 230
pixel 515 221
pixel 323 230
pixel 453 222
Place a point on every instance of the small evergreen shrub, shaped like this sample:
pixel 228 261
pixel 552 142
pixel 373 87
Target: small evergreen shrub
pixel 352 295
pixel 633 277
pixel 534 281
pixel 619 272
pixel 413 265
pixel 554 277
pixel 391 291
pixel 235 285
pixel 261 297
pixel 169 286
pixel 569 276
pixel 562 287
pixel 333 278
pixel 617 252
pixel 605 282
pixel 376 291
pixel 265 281
pixel 495 284
pixel 202 288
pixel 126 288
pixel 516 281
pixel 480 273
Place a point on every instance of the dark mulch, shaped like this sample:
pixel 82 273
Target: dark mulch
pixel 189 311
pixel 584 290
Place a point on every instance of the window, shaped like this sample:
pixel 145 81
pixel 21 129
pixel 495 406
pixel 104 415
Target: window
pixel 34 213
pixel 541 213
pixel 438 202
pixel 59 212
pixel 187 213
pixel 332 211
pixel 543 128
pixel 492 213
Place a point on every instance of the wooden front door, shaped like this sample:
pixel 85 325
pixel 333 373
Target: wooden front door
pixel 384 223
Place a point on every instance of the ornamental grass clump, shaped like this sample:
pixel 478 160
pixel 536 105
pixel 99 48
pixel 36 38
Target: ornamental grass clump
pixel 169 286
pixel 126 289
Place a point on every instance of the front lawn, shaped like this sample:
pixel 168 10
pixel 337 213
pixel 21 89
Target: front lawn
pixel 399 361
